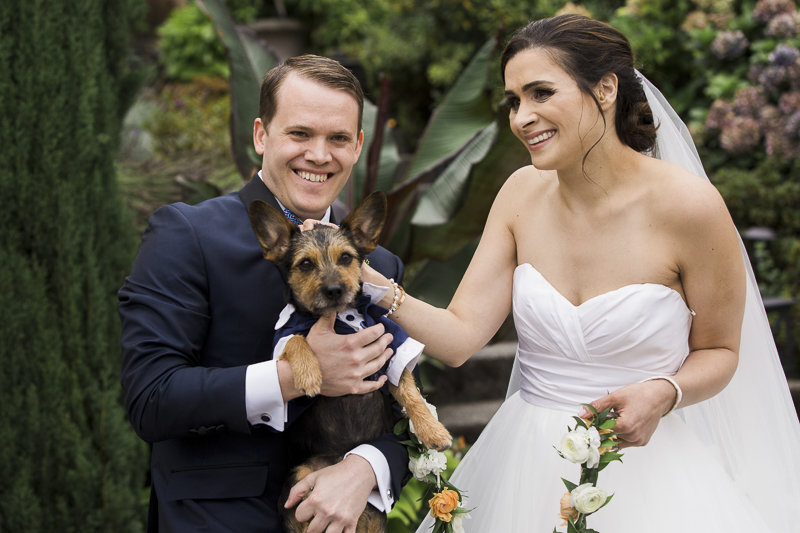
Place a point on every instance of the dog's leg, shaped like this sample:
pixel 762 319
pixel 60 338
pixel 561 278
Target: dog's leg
pixel 428 430
pixel 305 367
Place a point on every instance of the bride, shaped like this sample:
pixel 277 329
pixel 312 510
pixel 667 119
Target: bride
pixel 629 290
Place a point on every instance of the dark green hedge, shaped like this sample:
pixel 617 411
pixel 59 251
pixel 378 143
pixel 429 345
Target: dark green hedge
pixel 69 460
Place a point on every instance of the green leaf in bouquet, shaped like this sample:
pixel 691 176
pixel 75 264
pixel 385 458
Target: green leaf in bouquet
pixel 602 416
pixel 610 456
pixel 401 426
pixel 581 422
pixel 569 484
pixel 571 527
pixel 589 407
pixel 608 424
pixel 408 443
pixel 606 502
pixel 414 453
pixel 607 442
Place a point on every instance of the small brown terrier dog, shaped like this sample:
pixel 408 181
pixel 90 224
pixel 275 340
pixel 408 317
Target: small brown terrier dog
pixel 322 267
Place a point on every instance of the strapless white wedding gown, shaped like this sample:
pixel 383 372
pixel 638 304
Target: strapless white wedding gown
pixel 571 355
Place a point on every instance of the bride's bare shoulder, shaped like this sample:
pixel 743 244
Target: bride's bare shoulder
pixel 526 185
pixel 683 199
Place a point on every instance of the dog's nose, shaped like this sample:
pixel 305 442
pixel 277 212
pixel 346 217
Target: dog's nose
pixel 333 292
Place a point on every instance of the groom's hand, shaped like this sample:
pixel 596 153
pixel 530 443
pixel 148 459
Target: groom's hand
pixel 346 360
pixel 338 498
pixel 639 407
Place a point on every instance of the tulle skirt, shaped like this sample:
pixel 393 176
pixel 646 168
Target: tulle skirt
pixel 512 479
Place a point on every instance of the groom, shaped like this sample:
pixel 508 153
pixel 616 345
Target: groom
pixel 198 313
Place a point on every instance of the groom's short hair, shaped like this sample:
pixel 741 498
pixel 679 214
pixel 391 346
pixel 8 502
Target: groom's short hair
pixel 322 70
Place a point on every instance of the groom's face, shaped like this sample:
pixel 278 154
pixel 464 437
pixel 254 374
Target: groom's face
pixel 310 145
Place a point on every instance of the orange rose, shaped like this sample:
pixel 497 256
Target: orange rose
pixel 567 510
pixel 443 503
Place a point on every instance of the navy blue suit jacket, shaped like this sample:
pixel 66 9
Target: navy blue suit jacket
pixel 199 306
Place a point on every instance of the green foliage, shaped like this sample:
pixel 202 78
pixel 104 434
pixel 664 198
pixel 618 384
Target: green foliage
pixel 190 47
pixel 69 461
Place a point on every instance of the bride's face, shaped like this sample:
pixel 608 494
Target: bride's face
pixel 554 119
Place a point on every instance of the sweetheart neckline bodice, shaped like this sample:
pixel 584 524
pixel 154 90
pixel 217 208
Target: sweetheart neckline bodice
pixel 630 286
pixel 572 354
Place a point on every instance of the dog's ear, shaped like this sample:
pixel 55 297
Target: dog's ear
pixel 272 229
pixel 366 221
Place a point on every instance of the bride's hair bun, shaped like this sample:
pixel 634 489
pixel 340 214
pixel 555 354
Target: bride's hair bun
pixel 588 50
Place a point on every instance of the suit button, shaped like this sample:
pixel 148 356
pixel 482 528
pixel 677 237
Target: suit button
pixel 221 428
pixel 202 430
pixel 265 418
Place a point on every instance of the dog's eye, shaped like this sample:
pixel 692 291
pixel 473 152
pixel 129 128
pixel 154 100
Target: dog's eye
pixel 345 259
pixel 306 265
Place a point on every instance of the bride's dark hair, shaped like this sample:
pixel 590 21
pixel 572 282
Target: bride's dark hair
pixel 588 50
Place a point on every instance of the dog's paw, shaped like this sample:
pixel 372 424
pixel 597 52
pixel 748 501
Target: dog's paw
pixel 310 382
pixel 433 435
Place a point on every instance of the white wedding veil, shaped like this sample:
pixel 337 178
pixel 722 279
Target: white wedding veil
pixel 751 425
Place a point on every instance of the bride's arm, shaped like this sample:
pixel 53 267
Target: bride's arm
pixel 483 298
pixel 711 268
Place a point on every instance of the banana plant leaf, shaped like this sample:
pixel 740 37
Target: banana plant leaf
pixel 249 59
pixel 465 111
pixel 443 241
pixel 436 282
pixel 439 204
pixel 462 115
pixel 388 165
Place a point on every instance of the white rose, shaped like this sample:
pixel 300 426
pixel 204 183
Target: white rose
pixel 437 461
pixel 457 526
pixel 587 498
pixel 592 435
pixel 581 445
pixel 594 457
pixel 574 447
pixel 419 467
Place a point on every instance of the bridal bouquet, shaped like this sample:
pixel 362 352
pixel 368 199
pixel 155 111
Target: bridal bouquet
pixel 592 444
pixel 427 465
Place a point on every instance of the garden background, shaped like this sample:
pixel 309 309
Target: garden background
pixel 111 108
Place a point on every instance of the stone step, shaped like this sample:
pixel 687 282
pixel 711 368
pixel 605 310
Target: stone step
pixel 483 377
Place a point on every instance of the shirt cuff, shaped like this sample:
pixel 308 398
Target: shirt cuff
pixel 262 396
pixel 381 498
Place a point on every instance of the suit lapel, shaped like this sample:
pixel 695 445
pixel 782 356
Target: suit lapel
pixel 256 190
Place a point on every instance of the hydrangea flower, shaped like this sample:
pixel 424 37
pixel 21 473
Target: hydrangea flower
pixel 741 134
pixel 720 113
pixel 766 10
pixel 729 44
pixel 771 78
pixel 792 127
pixel 748 101
pixel 784 56
pixel 696 20
pixel 789 102
pixel 783 26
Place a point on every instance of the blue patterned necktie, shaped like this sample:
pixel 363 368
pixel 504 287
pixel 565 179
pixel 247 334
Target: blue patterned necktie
pixel 292 217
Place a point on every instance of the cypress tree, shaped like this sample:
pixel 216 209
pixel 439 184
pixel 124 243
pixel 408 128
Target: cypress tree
pixel 69 460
